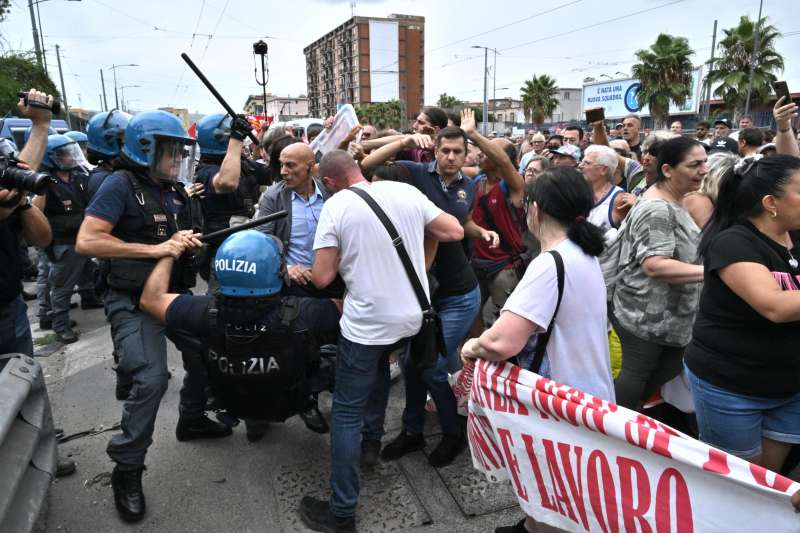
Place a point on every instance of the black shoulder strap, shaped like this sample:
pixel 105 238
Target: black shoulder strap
pixel 397 241
pixel 151 205
pixel 541 342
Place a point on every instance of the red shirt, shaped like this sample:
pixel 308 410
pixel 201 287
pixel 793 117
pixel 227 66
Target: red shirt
pixel 507 220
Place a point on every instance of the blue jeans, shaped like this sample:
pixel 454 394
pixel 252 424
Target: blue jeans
pixel 457 314
pixel 357 399
pixel 736 423
pixel 15 330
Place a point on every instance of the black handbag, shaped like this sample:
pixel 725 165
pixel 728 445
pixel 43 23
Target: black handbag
pixel 428 343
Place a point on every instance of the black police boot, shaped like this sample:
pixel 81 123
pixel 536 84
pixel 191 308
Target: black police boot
pixel 91 303
pixel 447 450
pixel 313 419
pixel 317 515
pixel 128 494
pixel 370 450
pixel 67 336
pixel 404 443
pixel 47 323
pixel 200 428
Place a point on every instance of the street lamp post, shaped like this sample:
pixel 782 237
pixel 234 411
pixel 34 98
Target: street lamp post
pixel 114 68
pixel 38 36
pixel 122 90
pixel 484 126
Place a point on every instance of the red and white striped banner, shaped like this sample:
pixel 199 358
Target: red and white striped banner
pixel 580 463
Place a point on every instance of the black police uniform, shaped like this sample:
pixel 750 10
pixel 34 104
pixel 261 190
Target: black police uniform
pixel 261 367
pixel 218 208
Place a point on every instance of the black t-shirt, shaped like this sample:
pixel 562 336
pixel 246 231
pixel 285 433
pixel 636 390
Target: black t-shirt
pixel 733 346
pixel 637 149
pixel 318 316
pixel 11 272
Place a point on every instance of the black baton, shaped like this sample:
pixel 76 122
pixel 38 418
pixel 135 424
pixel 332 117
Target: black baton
pixel 214 91
pixel 221 234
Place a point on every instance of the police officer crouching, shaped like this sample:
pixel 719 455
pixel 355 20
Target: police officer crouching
pixel 140 214
pixel 63 203
pixel 263 356
pixel 230 181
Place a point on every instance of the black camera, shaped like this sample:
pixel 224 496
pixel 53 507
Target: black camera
pixel 14 177
pixel 260 48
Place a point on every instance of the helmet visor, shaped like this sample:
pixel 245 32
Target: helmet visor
pixel 68 156
pixel 174 159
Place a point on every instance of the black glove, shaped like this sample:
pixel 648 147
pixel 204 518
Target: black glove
pixel 240 128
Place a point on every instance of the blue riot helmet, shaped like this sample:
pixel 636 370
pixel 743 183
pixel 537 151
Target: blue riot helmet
pixel 62 153
pixel 27 135
pixel 77 136
pixel 106 132
pixel 250 264
pixel 157 142
pixel 213 132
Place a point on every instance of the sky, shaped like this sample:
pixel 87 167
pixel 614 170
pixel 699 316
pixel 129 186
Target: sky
pixel 567 39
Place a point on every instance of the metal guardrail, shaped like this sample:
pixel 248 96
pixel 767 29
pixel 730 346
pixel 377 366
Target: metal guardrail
pixel 27 443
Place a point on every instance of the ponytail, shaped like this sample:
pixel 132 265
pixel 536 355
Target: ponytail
pixel 586 235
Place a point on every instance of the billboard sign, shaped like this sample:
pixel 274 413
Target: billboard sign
pixel 618 97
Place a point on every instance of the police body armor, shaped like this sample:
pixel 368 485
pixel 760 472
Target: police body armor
pixel 65 213
pixel 131 274
pixel 218 209
pixel 256 371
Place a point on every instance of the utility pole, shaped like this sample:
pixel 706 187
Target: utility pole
pixel 63 91
pixel 710 68
pixel 753 60
pixel 494 87
pixel 116 96
pixel 41 38
pixel 485 96
pixel 36 41
pixel 103 85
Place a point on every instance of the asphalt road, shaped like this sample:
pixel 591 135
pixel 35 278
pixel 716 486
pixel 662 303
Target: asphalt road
pixel 231 484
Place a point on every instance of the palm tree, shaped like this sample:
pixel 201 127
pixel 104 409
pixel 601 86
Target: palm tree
pixel 732 69
pixel 539 98
pixel 664 72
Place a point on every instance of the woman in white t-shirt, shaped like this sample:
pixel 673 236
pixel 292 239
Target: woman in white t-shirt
pixel 558 205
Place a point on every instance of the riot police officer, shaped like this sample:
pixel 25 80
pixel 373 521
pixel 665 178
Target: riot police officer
pixel 79 137
pixel 230 181
pixel 141 213
pixel 63 204
pixel 105 133
pixel 262 347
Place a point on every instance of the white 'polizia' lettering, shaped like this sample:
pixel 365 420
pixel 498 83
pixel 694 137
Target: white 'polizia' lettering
pixel 235 265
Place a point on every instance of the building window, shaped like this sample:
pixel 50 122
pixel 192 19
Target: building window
pixel 566 95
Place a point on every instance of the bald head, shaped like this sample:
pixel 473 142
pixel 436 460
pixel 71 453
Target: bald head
pixel 299 152
pixel 297 164
pixel 338 170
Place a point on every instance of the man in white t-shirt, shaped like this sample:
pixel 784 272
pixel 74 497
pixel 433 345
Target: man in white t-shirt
pixel 380 314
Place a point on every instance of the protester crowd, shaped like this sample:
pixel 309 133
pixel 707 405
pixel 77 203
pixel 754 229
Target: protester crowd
pixel 547 251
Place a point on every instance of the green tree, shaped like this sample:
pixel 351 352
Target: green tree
pixel 732 68
pixel 5 9
pixel 664 72
pixel 539 98
pixel 448 102
pixel 20 72
pixel 382 115
pixel 478 110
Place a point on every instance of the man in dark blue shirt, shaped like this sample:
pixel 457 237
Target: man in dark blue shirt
pixel 140 214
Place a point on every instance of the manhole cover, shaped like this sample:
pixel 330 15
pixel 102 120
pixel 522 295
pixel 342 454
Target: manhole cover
pixel 386 502
pixel 473 493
